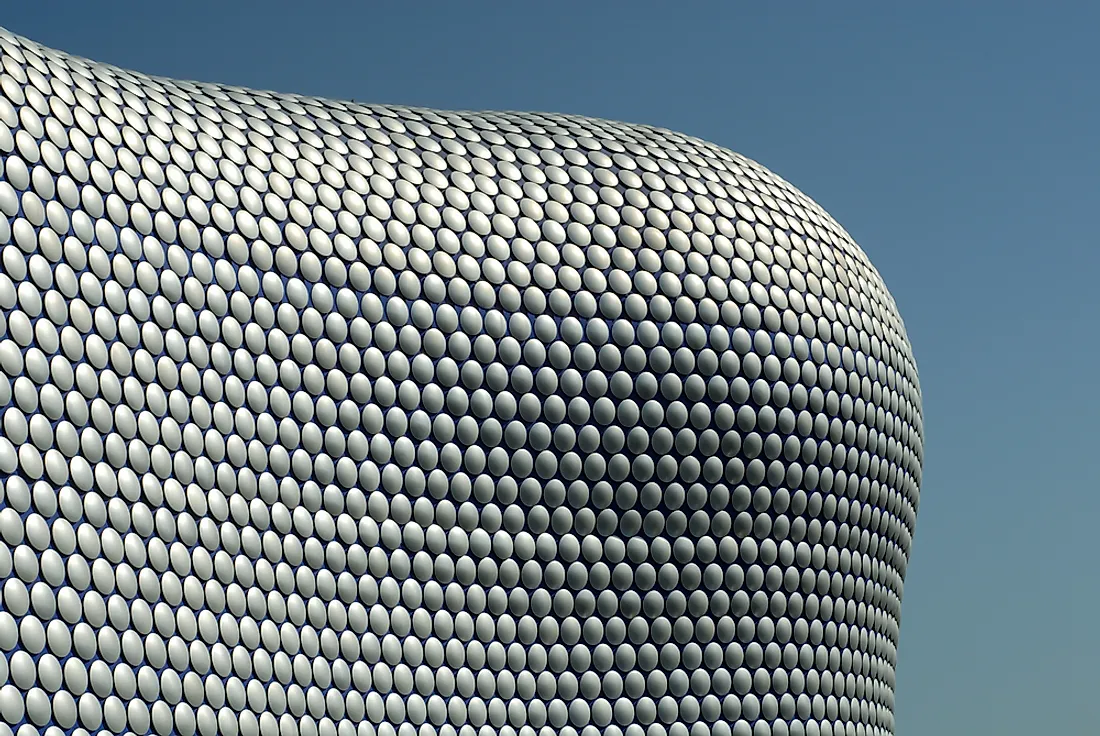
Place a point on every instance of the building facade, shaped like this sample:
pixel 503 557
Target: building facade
pixel 322 418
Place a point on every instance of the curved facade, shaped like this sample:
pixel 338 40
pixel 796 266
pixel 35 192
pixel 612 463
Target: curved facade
pixel 322 418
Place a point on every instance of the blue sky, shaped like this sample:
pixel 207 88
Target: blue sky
pixel 957 142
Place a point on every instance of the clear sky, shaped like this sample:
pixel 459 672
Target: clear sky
pixel 956 141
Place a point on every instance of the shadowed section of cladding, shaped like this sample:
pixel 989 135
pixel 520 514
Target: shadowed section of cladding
pixel 330 419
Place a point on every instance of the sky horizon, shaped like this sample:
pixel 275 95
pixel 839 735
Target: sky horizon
pixel 955 142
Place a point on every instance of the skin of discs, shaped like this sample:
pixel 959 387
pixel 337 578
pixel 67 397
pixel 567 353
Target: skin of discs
pixel 332 418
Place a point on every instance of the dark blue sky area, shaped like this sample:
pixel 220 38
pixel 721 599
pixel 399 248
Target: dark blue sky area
pixel 956 141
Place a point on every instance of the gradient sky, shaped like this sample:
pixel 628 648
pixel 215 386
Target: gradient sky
pixel 956 142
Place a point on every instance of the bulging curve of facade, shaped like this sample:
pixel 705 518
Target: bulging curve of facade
pixel 331 419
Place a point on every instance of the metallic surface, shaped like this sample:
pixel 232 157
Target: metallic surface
pixel 328 418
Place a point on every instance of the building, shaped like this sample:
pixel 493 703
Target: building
pixel 323 418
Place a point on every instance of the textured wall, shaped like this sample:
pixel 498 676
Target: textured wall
pixel 326 418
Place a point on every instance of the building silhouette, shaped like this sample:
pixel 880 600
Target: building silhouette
pixel 324 418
